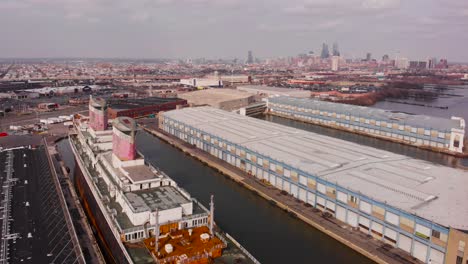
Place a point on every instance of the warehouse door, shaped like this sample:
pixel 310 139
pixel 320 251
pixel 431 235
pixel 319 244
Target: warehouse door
pixel 390 236
pixel 404 243
pixel 303 195
pixel 320 203
pixel 341 213
pixel 352 218
pixel 436 257
pixel 420 251
pixel 377 230
pixel 272 179
pixel 294 190
pixel 364 224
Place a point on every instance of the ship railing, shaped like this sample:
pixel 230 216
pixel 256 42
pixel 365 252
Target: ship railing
pixel 247 253
pixel 194 216
pixel 109 175
pixel 200 204
pixel 221 237
pixel 141 227
pixel 117 225
pixel 184 192
pixel 176 259
pixel 132 229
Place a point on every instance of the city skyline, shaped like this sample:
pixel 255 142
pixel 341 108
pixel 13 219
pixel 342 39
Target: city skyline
pixel 228 28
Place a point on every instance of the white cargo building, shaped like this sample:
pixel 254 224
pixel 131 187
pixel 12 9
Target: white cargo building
pixel 411 204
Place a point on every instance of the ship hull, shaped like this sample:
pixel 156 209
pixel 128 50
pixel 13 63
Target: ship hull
pixel 109 244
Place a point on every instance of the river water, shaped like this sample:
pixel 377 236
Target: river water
pixel 269 233
pixel 455 98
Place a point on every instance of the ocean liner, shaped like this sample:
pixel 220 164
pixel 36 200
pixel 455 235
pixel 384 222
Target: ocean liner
pixel 139 214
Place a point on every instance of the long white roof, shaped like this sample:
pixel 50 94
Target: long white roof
pixel 434 192
pixel 420 121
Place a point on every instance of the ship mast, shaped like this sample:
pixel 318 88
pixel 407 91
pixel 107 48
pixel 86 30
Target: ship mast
pixel 156 233
pixel 211 215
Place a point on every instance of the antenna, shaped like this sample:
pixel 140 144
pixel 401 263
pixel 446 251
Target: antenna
pixel 211 214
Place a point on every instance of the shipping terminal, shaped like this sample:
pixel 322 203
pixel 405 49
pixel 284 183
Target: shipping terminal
pixel 140 215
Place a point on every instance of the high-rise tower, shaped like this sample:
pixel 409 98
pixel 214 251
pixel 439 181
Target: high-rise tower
pixel 335 63
pixel 250 58
pixel 325 52
pixel 336 51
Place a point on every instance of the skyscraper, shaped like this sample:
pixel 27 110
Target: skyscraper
pixel 385 58
pixel 401 63
pixel 335 63
pixel 368 56
pixel 250 58
pixel 443 64
pixel 431 63
pixel 335 51
pixel 325 52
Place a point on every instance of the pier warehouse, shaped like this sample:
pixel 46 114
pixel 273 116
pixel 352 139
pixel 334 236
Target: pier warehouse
pixel 135 108
pixel 415 205
pixel 442 134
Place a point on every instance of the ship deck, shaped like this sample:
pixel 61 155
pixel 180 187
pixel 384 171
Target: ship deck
pixel 186 244
pixel 161 197
pixel 137 174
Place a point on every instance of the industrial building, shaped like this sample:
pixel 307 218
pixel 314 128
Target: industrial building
pixel 202 82
pixel 142 107
pixel 49 91
pixel 35 222
pixel 411 204
pixel 270 91
pixel 226 99
pixel 436 133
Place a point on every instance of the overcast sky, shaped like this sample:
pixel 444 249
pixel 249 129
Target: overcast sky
pixel 229 28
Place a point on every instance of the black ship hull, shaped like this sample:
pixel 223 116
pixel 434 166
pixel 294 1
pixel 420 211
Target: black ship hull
pixel 110 246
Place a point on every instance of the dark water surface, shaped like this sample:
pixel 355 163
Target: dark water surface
pixel 455 98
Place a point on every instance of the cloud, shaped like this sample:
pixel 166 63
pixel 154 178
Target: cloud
pixel 331 24
pixel 192 27
pixel 340 7
pixel 142 16
pixel 464 12
pixel 429 21
pixel 301 27
pixel 12 5
pixel 380 4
